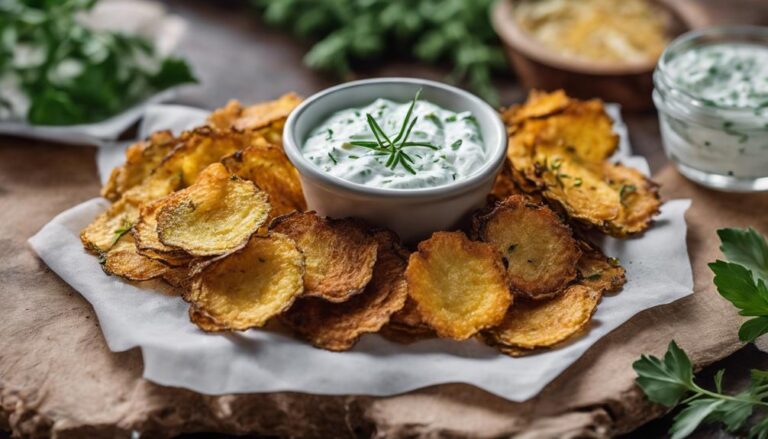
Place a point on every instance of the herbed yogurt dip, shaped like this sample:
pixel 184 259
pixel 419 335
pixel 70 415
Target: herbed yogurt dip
pixel 724 74
pixel 711 90
pixel 453 146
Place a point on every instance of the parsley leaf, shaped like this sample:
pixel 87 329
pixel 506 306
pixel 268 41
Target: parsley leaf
pixel 746 247
pixel 72 74
pixel 689 419
pixel 735 283
pixel 667 381
pixel 741 281
pixel 348 31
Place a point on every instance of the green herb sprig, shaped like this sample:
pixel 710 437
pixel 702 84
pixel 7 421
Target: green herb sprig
pixel 73 74
pixel 394 148
pixel 742 279
pixel 669 381
pixel 457 32
pixel 125 226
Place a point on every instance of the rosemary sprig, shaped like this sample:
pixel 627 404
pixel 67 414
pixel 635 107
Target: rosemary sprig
pixel 393 148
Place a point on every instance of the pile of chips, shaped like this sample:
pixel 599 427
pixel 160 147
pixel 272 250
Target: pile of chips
pixel 218 213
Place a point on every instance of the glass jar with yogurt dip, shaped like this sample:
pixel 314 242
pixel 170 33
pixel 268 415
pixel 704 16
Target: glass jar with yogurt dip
pixel 711 91
pixel 412 155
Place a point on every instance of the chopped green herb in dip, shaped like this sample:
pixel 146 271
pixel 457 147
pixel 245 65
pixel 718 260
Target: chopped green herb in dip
pixel 433 146
pixel 724 74
pixel 726 135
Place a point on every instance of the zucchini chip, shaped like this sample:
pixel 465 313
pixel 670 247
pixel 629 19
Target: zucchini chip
pixel 204 321
pixel 123 260
pixel 599 272
pixel 562 152
pixel 535 324
pixel 539 249
pixel 340 253
pixel 195 150
pixel 539 104
pixel 269 168
pixel 147 240
pixel 338 326
pixel 638 196
pixel 254 117
pixel 531 325
pixel 141 159
pixel 245 289
pixel 214 216
pixel 459 285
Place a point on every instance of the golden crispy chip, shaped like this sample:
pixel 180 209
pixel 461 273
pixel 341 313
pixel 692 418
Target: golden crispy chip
pixel 141 159
pixel 147 240
pixel 171 259
pixel 179 277
pixel 505 184
pixel 254 117
pixel 638 196
pixel 269 168
pixel 204 321
pixel 340 254
pixel 338 326
pixel 408 319
pixel 539 104
pixel 530 325
pixel 407 325
pixel 509 117
pixel 403 335
pixel 459 285
pixel 563 155
pixel 214 216
pixel 102 233
pixel 109 226
pixel 198 149
pixel 195 150
pixel 599 272
pixel 538 246
pixel 263 114
pixel 247 288
pixel 583 129
pixel 620 201
pixel 576 186
pixel 123 260
pixel 222 118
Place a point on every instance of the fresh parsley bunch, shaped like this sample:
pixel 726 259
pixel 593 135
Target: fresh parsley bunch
pixel 72 74
pixel 456 31
pixel 669 381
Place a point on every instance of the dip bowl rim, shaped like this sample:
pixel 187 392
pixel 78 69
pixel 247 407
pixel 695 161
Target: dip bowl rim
pixel 495 154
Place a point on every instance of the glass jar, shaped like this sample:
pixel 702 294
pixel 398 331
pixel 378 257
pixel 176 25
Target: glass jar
pixel 716 143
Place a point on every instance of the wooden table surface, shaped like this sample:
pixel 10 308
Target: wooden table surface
pixel 236 56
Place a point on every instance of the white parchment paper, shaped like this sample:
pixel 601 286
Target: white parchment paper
pixel 176 353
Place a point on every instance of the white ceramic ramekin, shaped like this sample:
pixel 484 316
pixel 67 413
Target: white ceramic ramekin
pixel 412 213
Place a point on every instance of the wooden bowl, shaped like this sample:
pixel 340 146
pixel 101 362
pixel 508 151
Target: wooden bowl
pixel 539 67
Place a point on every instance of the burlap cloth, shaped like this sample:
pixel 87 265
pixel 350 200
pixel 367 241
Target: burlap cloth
pixel 57 377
